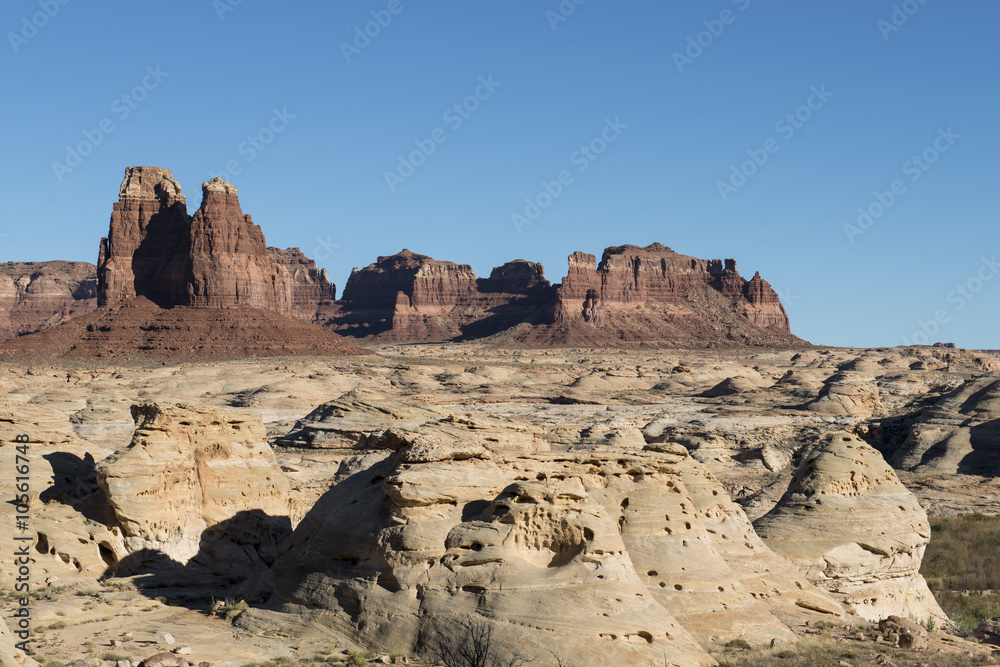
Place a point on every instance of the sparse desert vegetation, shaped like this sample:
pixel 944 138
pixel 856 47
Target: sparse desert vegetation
pixel 962 567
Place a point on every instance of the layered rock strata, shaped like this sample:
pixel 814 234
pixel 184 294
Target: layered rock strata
pixel 412 297
pixel 958 434
pixel 38 295
pixel 624 556
pixel 216 259
pixel 653 295
pixel 650 296
pixel 198 485
pixel 173 285
pixel 855 530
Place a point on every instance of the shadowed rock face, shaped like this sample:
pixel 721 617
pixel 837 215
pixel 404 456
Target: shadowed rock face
pixel 649 295
pixel 216 259
pixel 411 297
pixel 855 530
pixel 37 295
pixel 653 295
pixel 199 484
pixel 146 250
pixel 623 555
pixel 959 434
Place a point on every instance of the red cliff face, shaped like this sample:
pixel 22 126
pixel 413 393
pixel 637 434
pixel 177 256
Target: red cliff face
pixel 207 286
pixel 147 248
pixel 412 297
pixel 653 295
pixel 37 295
pixel 230 265
pixel 216 259
pixel 313 295
pixel 648 296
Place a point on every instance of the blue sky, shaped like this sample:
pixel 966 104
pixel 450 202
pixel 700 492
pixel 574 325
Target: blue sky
pixel 668 98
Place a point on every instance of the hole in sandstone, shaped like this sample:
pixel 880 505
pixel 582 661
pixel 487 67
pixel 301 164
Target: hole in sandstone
pixel 678 587
pixel 625 504
pixel 474 589
pixel 107 555
pixel 722 589
pixel 476 546
pixel 388 581
pixel 663 584
pixel 715 492
pixel 648 637
pixel 377 478
pixel 540 477
pixel 42 546
pixel 687 524
pixel 652 573
pixel 668 531
pixel 588 534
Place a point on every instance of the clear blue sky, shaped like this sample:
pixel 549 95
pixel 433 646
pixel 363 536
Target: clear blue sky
pixel 223 68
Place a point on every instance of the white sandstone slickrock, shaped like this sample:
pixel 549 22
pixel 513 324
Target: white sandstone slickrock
pixel 855 530
pixel 959 434
pixel 199 484
pixel 624 556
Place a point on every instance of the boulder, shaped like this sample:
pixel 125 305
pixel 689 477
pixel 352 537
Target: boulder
pixel 200 486
pixel 855 530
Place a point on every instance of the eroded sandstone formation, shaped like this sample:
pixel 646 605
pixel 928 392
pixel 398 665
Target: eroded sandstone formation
pixel 38 295
pixel 650 296
pixel 653 295
pixel 312 295
pixel 958 434
pixel 412 297
pixel 626 553
pixel 216 259
pixel 201 486
pixel 855 530
pixel 173 285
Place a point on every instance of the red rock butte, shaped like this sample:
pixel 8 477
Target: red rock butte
pixel 160 271
pixel 170 284
pixel 635 296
